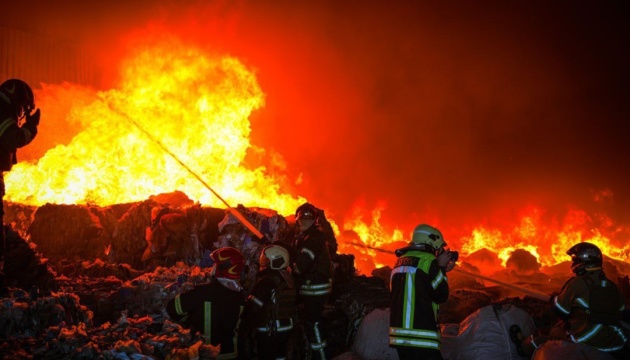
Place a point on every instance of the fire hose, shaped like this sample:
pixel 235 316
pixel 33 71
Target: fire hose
pixel 535 294
pixel 532 293
pixel 232 210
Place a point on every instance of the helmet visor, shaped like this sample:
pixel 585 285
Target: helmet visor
pixel 305 215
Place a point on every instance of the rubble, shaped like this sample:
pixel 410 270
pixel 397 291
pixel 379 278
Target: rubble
pixel 104 296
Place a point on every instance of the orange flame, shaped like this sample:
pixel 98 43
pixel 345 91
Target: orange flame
pixel 196 105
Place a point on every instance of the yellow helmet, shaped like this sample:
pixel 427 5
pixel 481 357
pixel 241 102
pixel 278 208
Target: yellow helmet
pixel 427 235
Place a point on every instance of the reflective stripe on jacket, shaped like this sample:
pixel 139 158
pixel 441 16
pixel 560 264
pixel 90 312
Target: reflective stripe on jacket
pixel 418 285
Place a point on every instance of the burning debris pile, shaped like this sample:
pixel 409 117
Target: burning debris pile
pixel 92 282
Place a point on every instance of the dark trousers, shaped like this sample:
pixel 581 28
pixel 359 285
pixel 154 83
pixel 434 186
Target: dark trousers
pixel 272 346
pixel 310 309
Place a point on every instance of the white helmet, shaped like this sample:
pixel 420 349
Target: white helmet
pixel 275 257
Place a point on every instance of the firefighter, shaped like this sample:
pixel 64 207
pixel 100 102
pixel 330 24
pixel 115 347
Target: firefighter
pixel 313 271
pixel 418 284
pixel 590 306
pixel 17 103
pixel 270 308
pixel 214 309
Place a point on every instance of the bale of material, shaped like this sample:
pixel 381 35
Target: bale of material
pixel 24 267
pixel 128 238
pixel 19 217
pixel 72 230
pixel 151 234
pixel 372 339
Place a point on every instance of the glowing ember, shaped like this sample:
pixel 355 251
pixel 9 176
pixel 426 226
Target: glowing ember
pixel 196 105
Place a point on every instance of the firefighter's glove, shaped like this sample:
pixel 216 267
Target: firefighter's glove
pixel 33 119
pixel 443 259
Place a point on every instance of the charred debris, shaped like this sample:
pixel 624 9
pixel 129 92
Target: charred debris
pixel 92 282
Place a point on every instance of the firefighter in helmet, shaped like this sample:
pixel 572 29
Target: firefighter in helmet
pixel 589 304
pixel 214 308
pixel 270 307
pixel 17 103
pixel 420 269
pixel 313 271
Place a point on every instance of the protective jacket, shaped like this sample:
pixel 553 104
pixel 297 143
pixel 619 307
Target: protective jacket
pixel 213 309
pixel 12 136
pixel 591 306
pixel 313 267
pixel 270 307
pixel 418 286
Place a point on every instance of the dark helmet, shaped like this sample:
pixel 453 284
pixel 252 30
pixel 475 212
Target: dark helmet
pixel 19 94
pixel 228 262
pixel 584 256
pixel 306 211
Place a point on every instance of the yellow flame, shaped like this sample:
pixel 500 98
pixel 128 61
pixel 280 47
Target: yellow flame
pixel 196 105
pixel 547 242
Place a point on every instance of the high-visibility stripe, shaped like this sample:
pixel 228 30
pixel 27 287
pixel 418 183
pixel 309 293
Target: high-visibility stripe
pixel 207 320
pixel 5 125
pixel 317 286
pixel 316 289
pixel 409 300
pixel 620 333
pixel 609 349
pixel 308 252
pixel 178 306
pixel 438 280
pixel 278 327
pixel 415 343
pixel 5 98
pixel 533 342
pixel 315 292
pixel 234 354
pixel 256 300
pixel 414 332
pixel 559 307
pixel 587 335
pixel 582 302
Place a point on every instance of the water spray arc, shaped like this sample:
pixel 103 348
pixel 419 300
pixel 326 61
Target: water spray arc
pixel 232 210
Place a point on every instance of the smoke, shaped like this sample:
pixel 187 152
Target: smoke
pixel 440 111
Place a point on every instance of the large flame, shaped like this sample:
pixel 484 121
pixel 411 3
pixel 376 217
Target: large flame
pixel 547 239
pixel 194 104
pixel 198 106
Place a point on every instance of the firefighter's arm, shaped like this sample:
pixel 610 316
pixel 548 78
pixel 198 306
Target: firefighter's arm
pixel 437 283
pixel 259 296
pixel 306 255
pixel 175 310
pixel 179 307
pixel 562 303
pixel 12 136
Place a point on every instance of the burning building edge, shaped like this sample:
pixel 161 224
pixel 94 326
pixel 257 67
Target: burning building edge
pixel 92 282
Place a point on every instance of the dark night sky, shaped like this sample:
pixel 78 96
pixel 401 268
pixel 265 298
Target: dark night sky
pixel 453 109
